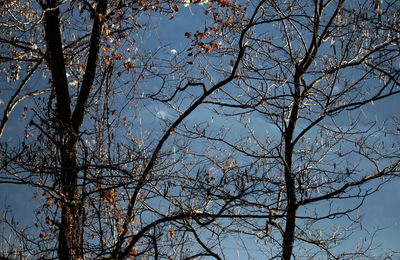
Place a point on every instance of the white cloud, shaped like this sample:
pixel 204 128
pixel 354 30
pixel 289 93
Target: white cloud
pixel 162 114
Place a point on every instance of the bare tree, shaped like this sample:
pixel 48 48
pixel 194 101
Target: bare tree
pixel 306 151
pixel 103 184
pixel 281 142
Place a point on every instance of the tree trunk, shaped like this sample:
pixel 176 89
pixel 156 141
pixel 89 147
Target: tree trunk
pixel 288 236
pixel 70 228
pixel 70 242
pixel 70 233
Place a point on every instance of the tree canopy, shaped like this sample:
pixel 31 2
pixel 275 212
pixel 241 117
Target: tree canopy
pixel 163 129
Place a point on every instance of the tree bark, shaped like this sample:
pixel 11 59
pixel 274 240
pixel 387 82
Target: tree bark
pixel 70 227
pixel 288 236
pixel 70 242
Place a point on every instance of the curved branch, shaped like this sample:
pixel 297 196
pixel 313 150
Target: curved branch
pixel 386 171
pixel 91 65
pixel 14 101
pixel 184 115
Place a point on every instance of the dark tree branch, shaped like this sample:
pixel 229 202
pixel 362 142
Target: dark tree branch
pixel 14 100
pixel 91 65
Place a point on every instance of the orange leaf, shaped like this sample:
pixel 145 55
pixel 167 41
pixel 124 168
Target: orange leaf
pixel 118 56
pixel 48 202
pixel 121 230
pixel 128 65
pixel 133 251
pixel 171 233
pixel 42 235
pixel 232 164
pixel 47 220
pixel 224 2
pixel 107 61
pixel 106 29
pixel 74 83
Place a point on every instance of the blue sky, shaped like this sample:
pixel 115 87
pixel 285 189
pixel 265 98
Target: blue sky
pixel 380 210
